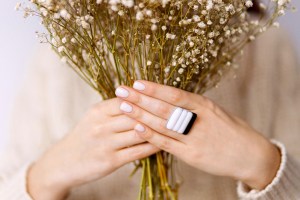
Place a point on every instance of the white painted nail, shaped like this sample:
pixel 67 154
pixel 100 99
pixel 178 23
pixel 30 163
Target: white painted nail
pixel 185 122
pixel 139 128
pixel 121 92
pixel 174 117
pixel 126 107
pixel 180 120
pixel 139 86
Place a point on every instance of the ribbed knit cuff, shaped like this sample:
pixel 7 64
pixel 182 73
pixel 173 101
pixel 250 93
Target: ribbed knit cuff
pixel 15 187
pixel 285 185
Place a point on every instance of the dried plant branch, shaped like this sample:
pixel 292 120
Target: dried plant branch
pixel 188 44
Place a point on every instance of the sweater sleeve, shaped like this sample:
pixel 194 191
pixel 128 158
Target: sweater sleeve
pixel 14 187
pixel 28 136
pixel 284 126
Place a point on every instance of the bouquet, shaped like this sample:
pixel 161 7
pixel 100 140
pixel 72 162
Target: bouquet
pixel 188 44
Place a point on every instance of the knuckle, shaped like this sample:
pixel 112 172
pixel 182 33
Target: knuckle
pixel 138 153
pixel 162 125
pixel 147 135
pixel 176 96
pixel 162 109
pixel 94 109
pixel 164 144
pixel 195 157
pixel 137 113
pixel 97 130
pixel 210 105
pixel 111 163
pixel 150 89
pixel 137 99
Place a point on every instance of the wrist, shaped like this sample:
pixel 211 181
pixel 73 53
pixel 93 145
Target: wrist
pixel 263 169
pixel 41 187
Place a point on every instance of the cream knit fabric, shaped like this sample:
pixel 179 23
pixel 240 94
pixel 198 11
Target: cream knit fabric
pixel 265 93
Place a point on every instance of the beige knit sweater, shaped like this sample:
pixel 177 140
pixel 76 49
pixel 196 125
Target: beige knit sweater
pixel 265 93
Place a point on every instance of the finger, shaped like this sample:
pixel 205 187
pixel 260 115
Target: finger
pixel 159 108
pixel 168 94
pixel 121 123
pixel 156 123
pixel 108 107
pixel 163 142
pixel 137 152
pixel 126 139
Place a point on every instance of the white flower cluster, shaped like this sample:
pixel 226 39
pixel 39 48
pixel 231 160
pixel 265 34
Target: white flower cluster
pixel 185 43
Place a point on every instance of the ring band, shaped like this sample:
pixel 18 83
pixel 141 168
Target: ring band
pixel 181 120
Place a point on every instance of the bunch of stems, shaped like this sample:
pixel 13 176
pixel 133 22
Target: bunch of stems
pixel 187 44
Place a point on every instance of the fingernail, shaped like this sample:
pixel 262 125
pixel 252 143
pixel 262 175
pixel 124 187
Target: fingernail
pixel 126 107
pixel 139 86
pixel 139 128
pixel 121 92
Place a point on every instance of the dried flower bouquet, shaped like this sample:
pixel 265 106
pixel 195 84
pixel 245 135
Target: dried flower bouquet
pixel 188 44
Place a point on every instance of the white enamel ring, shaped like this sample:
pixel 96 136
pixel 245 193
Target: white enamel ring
pixel 181 120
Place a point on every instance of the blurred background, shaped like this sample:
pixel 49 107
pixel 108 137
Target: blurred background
pixel 18 44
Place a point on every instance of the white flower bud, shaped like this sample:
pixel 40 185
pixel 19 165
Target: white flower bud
pixel 64 40
pixel 60 49
pixel 249 3
pixel 139 16
pixel 153 27
pixel 64 14
pixel 180 71
pixel 201 25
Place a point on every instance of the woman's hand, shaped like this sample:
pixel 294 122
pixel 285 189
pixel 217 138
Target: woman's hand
pixel 218 143
pixel 103 141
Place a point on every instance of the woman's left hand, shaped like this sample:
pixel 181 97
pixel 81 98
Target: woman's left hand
pixel 218 143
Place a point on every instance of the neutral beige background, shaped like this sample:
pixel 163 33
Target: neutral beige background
pixel 18 44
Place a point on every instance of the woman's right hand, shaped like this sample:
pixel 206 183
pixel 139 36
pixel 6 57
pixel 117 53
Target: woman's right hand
pixel 103 141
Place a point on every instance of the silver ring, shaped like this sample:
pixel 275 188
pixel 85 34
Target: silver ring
pixel 181 120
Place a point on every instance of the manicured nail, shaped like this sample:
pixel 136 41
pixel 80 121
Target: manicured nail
pixel 121 92
pixel 139 128
pixel 139 86
pixel 126 107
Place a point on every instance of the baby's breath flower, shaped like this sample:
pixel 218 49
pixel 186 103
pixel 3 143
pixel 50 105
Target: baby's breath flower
pixel 252 37
pixel 201 25
pixel 64 14
pixel 64 40
pixel 121 12
pixel 73 40
pixel 149 63
pixel 61 49
pixel 128 3
pixel 139 16
pixel 167 69
pixel 249 3
pixel 170 36
pixel 85 25
pixel 153 27
pixel 181 70
pixel 149 13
